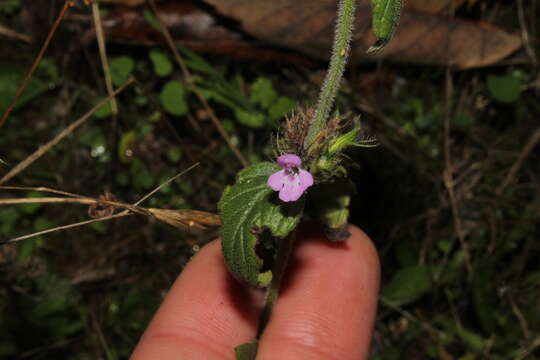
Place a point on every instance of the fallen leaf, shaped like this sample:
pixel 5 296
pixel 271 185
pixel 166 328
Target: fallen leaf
pixel 434 7
pixel 124 2
pixel 191 27
pixel 421 38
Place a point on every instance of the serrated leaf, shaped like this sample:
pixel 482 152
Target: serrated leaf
pixel 408 285
pixel 246 209
pixel 386 15
pixel 247 351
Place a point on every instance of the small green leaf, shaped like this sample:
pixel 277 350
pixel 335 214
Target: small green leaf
pixel 162 65
pixel 104 111
pixel 247 351
pixel 174 154
pixel 505 88
pixel 344 141
pixel 386 15
pixel 408 285
pixel 125 153
pixel 282 106
pixel 248 118
pixel 332 201
pixel 246 209
pixel 173 98
pixel 262 92
pixel 121 68
pixel 10 80
pixel 471 339
pixel 149 16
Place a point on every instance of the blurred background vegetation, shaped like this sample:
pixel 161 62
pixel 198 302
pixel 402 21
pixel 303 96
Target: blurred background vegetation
pixel 450 197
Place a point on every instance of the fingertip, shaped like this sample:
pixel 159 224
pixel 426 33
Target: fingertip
pixel 327 305
pixel 205 314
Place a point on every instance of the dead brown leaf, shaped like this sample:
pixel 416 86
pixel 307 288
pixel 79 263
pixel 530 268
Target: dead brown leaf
pixel 433 7
pixel 124 2
pixel 422 38
pixel 190 26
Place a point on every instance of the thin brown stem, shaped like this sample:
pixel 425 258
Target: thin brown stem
pixel 36 63
pixel 43 149
pixel 529 146
pixel 103 55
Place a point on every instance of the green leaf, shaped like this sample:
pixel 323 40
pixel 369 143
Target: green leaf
pixel 386 15
pixel 282 106
pixel 174 154
pixel 125 153
pixel 408 285
pixel 151 19
pixel 121 68
pixel 198 63
pixel 344 141
pixel 9 6
pixel 246 209
pixel 247 351
pixel 332 201
pixel 104 110
pixel 471 339
pixel 162 65
pixel 173 98
pixel 248 118
pixel 262 92
pixel 10 79
pixel 505 88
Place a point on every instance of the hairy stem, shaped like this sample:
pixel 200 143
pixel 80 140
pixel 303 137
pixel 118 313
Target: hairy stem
pixel 280 266
pixel 340 52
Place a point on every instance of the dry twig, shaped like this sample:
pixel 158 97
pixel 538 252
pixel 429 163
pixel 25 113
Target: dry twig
pixel 182 219
pixel 68 130
pixel 35 65
pixel 533 141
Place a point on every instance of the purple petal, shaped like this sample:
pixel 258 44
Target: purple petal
pixel 306 179
pixel 289 160
pixel 275 181
pixel 291 189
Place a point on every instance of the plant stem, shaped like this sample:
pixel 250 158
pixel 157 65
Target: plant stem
pixel 280 265
pixel 340 52
pixel 103 55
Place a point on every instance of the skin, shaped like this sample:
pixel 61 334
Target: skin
pixel 326 308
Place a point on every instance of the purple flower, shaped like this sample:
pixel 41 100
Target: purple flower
pixel 291 182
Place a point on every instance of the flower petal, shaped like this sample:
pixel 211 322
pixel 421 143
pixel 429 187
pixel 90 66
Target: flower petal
pixel 291 189
pixel 289 160
pixel 275 181
pixel 306 179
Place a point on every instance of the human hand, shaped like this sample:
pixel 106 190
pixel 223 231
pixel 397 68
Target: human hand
pixel 325 310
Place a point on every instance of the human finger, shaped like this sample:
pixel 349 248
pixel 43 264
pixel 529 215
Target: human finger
pixel 327 305
pixel 205 314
